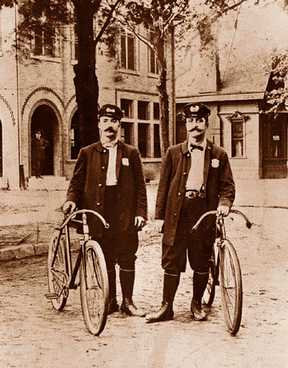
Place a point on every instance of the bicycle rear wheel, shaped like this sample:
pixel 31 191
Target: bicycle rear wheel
pixel 94 288
pixel 57 275
pixel 231 286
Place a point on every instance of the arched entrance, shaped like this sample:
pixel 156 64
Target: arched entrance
pixel 45 120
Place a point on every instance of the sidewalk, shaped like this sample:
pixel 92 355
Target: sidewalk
pixel 27 218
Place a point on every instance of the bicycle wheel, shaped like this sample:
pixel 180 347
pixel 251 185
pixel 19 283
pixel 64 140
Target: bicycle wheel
pixel 57 275
pixel 94 288
pixel 231 286
pixel 209 293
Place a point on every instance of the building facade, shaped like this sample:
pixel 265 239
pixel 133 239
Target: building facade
pixel 38 93
pixel 231 76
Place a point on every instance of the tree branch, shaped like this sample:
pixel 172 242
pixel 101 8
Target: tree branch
pixel 108 20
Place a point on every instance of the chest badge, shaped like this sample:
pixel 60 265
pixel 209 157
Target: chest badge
pixel 125 161
pixel 215 163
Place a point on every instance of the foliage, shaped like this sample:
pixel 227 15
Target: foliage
pixel 276 95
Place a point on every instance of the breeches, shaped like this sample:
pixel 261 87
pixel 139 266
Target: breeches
pixel 197 246
pixel 118 246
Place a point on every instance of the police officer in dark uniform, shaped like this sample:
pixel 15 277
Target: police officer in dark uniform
pixel 108 178
pixel 195 177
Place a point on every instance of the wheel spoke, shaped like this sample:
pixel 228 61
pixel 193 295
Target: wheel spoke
pixel 94 288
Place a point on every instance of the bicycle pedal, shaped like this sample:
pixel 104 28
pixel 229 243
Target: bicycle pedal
pixel 51 296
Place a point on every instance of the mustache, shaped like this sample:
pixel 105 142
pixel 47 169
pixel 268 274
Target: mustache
pixel 196 130
pixel 110 129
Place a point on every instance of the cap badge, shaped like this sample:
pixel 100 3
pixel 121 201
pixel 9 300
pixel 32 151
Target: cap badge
pixel 108 109
pixel 194 108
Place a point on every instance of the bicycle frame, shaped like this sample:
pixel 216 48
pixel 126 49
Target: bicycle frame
pixel 71 271
pixel 225 266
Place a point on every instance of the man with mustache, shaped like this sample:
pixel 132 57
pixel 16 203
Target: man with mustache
pixel 195 177
pixel 108 178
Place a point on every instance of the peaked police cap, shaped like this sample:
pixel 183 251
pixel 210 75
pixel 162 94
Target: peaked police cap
pixel 111 110
pixel 196 110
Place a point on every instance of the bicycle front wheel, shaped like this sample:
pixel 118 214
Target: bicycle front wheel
pixel 209 293
pixel 231 286
pixel 57 272
pixel 94 288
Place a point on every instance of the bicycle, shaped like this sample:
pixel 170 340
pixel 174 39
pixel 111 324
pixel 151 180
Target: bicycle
pixel 225 271
pixel 94 287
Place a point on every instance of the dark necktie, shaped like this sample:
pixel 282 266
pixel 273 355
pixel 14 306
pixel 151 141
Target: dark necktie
pixel 195 146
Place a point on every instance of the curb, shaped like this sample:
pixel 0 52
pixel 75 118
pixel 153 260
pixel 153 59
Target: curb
pixel 22 251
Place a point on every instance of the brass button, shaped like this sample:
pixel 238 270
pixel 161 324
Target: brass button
pixel 103 167
pixel 179 194
pixel 175 214
pixel 100 185
pixel 188 154
pixel 98 204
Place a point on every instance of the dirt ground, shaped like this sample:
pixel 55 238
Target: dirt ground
pixel 34 335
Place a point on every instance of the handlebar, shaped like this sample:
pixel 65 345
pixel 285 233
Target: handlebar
pixel 84 211
pixel 214 212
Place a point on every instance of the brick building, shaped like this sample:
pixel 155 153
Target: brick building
pixel 38 93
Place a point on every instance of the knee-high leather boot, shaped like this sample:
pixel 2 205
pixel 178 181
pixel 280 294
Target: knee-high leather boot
pixel 166 313
pixel 200 280
pixel 127 278
pixel 113 305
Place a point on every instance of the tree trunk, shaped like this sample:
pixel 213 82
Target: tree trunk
pixel 85 80
pixel 164 101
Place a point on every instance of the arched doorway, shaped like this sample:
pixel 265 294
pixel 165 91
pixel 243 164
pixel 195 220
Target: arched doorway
pixel 45 120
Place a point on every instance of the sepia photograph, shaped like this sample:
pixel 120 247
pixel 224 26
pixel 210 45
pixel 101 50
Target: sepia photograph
pixel 143 183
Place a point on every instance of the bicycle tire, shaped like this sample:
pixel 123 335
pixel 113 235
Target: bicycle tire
pixel 57 273
pixel 209 293
pixel 231 287
pixel 94 280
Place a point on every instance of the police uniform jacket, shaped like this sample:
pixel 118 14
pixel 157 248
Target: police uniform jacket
pixel 218 185
pixel 87 186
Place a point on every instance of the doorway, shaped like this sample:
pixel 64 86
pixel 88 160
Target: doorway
pixel 45 120
pixel 274 146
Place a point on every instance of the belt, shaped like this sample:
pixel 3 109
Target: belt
pixel 192 194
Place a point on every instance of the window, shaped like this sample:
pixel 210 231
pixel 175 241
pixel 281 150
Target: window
pixel 157 149
pixel 127 51
pixel 143 110
pixel 127 107
pixel 127 132
pixel 75 136
pixel 156 111
pixel 143 139
pixel 238 134
pixel 46 41
pixel 45 44
pixel 140 125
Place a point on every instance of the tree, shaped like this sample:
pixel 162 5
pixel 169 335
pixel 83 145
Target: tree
pixel 159 19
pixel 51 16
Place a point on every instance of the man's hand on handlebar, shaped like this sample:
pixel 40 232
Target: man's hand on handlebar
pixel 68 207
pixel 223 210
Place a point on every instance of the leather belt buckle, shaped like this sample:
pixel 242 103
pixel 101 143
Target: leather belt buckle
pixel 192 194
